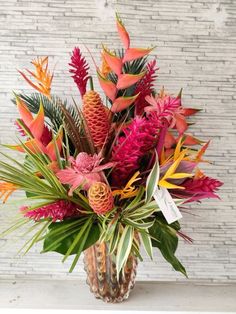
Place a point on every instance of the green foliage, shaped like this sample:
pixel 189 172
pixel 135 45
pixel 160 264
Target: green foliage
pixel 164 237
pixel 61 235
pixel 49 188
pixel 124 248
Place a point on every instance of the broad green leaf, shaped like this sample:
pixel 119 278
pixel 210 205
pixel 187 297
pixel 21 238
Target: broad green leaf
pixel 164 237
pixel 68 237
pixel 152 181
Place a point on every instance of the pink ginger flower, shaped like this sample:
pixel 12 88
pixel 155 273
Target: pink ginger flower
pixel 83 172
pixel 138 138
pixel 169 108
pixel 145 87
pixel 163 107
pixel 198 188
pixel 57 211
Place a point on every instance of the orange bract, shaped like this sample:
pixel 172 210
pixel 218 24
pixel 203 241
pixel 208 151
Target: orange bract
pixel 6 189
pixel 105 68
pixel 42 76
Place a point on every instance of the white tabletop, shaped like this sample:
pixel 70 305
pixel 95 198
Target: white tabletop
pixel 146 296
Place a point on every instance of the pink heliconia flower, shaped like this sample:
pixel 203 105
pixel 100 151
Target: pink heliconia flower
pixel 45 138
pixel 83 171
pixel 57 211
pixel 41 141
pixel 138 138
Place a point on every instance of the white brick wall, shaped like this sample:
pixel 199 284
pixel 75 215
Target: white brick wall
pixel 196 50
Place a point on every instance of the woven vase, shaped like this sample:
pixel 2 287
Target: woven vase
pixel 102 277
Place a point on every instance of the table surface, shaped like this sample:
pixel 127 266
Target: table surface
pixel 146 296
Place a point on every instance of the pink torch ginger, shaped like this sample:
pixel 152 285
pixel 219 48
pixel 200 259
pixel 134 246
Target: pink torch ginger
pixel 83 172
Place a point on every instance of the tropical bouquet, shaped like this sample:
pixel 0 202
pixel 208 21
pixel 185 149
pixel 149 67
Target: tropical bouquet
pixel 115 169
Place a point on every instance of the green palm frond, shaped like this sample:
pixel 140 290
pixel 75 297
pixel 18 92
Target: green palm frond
pixel 52 108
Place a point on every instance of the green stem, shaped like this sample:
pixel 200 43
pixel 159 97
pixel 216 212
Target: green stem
pixel 91 83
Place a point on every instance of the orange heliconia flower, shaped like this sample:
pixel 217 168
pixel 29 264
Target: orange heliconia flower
pixel 42 76
pixel 6 189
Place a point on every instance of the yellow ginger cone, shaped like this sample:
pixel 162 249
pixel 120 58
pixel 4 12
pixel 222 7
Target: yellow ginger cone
pixel 96 116
pixel 100 198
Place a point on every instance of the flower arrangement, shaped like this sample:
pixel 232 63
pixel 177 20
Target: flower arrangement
pixel 115 169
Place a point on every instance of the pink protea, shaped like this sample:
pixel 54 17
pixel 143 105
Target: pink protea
pixel 138 138
pixel 84 171
pixel 56 211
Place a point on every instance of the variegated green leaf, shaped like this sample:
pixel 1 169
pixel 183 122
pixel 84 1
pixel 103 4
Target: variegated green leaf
pixel 147 243
pixel 124 248
pixel 152 181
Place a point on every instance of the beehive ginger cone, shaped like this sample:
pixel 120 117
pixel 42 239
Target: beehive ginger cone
pixel 95 114
pixel 100 198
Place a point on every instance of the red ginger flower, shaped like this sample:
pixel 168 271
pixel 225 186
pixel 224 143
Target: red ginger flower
pixel 79 69
pixel 198 188
pixel 57 211
pixel 138 138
